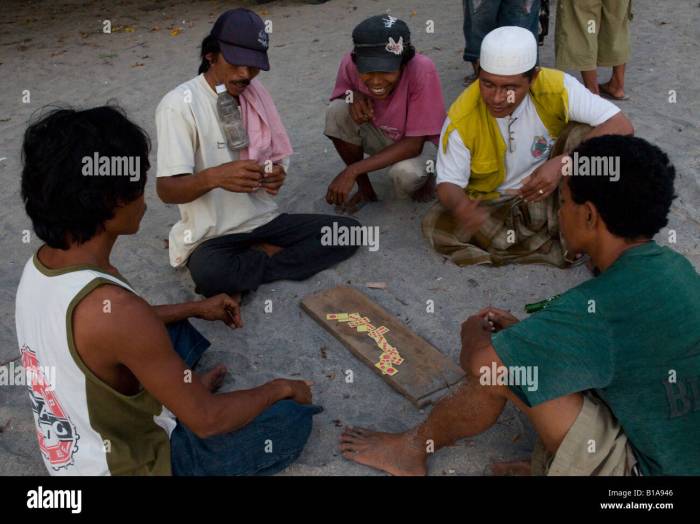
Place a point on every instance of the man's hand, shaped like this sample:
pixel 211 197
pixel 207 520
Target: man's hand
pixel 494 319
pixel 361 109
pixel 221 307
pixel 297 390
pixel 272 181
pixel 340 188
pixel 470 215
pixel 543 180
pixel 239 176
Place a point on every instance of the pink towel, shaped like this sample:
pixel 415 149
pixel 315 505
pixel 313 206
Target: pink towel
pixel 266 133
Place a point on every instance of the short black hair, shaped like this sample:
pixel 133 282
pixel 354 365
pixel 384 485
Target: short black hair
pixel 65 205
pixel 638 203
pixel 209 45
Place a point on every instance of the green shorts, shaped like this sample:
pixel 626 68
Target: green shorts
pixel 592 33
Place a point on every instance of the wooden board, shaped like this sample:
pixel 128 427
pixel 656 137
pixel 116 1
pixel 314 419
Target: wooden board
pixel 425 373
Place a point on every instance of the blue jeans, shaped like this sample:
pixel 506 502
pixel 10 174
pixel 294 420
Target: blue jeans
pixel 483 16
pixel 267 445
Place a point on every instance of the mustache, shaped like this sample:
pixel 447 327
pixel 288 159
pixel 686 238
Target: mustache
pixel 241 82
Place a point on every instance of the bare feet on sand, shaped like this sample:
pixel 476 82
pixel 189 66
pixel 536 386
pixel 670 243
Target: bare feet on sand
pixel 426 192
pixel 213 379
pixel 612 91
pixel 472 77
pixel 396 453
pixel 520 468
pixel 357 202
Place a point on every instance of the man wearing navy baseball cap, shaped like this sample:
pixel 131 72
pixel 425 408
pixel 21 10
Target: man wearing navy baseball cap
pixel 231 235
pixel 242 38
pixel 387 103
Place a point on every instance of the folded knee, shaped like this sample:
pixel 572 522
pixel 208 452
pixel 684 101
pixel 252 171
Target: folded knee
pixel 292 422
pixel 211 278
pixel 408 175
pixel 346 222
pixel 338 112
pixel 205 279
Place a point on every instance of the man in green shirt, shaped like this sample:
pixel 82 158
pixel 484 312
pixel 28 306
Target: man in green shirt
pixel 609 372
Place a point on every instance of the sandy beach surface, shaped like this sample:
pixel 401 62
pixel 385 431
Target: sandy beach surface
pixel 56 51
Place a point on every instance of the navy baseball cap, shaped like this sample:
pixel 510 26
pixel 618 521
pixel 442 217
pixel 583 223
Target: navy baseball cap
pixel 242 38
pixel 380 44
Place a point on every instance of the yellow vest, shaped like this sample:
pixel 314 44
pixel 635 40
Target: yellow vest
pixel 480 134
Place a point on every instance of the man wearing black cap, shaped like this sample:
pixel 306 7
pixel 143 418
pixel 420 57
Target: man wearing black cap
pixel 387 103
pixel 231 236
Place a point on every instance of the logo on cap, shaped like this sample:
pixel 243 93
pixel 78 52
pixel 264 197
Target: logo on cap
pixel 263 39
pixel 395 47
pixel 389 21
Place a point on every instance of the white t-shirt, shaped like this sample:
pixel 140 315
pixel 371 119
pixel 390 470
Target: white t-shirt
pixel 190 139
pixel 531 139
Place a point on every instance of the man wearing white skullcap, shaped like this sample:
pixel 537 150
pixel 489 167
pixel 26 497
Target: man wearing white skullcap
pixel 483 16
pixel 501 155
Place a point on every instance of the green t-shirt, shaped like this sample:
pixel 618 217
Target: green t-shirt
pixel 633 336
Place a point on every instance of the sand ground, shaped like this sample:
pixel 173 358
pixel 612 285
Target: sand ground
pixel 58 52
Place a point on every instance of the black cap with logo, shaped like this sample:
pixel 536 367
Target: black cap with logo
pixel 242 38
pixel 380 42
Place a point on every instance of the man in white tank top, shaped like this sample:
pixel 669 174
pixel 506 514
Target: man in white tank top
pixel 111 386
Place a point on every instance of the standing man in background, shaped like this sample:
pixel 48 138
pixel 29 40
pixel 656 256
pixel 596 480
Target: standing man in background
pixel 592 34
pixel 483 16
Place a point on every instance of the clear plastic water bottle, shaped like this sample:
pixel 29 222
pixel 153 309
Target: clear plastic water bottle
pixel 231 120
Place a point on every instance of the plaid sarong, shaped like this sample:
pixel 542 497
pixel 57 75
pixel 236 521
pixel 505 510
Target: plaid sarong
pixel 515 231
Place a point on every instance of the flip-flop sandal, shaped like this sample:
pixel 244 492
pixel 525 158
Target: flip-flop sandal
pixel 609 96
pixel 580 260
pixel 348 210
pixel 469 79
pixel 589 265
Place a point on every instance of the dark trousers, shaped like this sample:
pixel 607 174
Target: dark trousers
pixel 267 445
pixel 229 264
pixel 483 16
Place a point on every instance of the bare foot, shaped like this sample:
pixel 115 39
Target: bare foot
pixel 472 77
pixel 213 379
pixel 469 80
pixel 395 453
pixel 357 202
pixel 426 192
pixel 520 468
pixel 612 91
pixel 269 249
